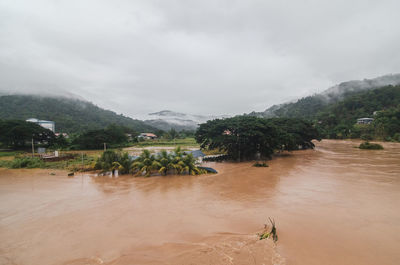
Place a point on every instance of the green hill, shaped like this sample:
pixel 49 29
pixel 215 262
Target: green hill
pixel 308 107
pixel 70 115
pixel 383 104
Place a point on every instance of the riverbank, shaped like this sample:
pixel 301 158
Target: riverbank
pixel 332 205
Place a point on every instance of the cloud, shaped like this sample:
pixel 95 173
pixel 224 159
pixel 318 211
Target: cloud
pixel 205 57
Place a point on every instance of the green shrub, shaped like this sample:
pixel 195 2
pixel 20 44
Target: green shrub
pixel 396 137
pixel 258 164
pixel 27 162
pixel 368 145
pixel 5 163
pixel 111 160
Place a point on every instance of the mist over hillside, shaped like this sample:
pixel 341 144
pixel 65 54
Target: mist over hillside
pixel 167 119
pixel 71 115
pixel 306 107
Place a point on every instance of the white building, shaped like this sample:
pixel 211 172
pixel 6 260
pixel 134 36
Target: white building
pixel 365 120
pixel 51 125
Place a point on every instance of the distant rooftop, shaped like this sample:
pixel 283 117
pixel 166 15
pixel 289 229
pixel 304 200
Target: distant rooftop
pixel 39 121
pixel 148 135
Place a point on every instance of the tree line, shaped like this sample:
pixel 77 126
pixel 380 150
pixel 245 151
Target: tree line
pixel 18 134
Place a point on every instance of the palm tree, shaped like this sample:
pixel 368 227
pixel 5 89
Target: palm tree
pixel 190 165
pixel 165 162
pixel 145 163
pixel 116 166
pixel 177 162
pixel 125 163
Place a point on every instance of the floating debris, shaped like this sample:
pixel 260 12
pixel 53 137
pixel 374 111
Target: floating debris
pixel 266 233
pixel 258 164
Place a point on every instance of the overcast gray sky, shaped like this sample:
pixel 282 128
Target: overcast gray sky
pixel 201 57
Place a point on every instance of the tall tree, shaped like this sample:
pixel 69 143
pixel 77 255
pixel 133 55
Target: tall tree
pixel 17 134
pixel 248 137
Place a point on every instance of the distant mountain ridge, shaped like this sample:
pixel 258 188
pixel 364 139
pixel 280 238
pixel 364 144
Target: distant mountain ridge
pixel 167 119
pixel 307 107
pixel 71 115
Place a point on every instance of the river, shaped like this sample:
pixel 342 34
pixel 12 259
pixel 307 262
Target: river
pixel 335 204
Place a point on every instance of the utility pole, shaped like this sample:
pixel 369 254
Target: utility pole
pixel 33 149
pixel 105 147
pixel 238 139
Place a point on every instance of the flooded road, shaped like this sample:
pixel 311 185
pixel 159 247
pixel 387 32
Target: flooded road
pixel 332 205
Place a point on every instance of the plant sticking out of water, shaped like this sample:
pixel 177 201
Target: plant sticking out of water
pixel 258 164
pixel 269 233
pixel 371 146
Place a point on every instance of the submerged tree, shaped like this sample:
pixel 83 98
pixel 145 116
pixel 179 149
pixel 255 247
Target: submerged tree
pixel 145 164
pixel 189 165
pixel 111 161
pixel 164 162
pixel 247 137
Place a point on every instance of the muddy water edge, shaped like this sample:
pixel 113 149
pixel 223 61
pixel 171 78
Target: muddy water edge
pixel 333 205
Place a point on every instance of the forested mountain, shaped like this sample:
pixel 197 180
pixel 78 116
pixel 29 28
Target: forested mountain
pixel 308 107
pixel 70 115
pixel 383 104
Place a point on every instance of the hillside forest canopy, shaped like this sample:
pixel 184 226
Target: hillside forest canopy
pixel 70 115
pixel 336 117
pixel 338 121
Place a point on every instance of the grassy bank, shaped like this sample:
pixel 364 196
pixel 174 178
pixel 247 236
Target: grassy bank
pixel 9 153
pixel 164 142
pixel 78 163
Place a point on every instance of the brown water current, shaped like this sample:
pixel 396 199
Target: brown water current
pixel 332 205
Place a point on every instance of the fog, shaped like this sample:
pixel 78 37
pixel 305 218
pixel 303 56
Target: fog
pixel 200 57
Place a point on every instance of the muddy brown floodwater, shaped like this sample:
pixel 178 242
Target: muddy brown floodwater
pixel 332 205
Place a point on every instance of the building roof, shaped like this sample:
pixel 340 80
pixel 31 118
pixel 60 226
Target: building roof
pixel 148 134
pixel 40 121
pixel 365 119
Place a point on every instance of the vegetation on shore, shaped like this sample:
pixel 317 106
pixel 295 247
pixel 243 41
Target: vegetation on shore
pixel 187 141
pixel 370 146
pixel 248 137
pixel 79 162
pixel 147 164
pixel 18 135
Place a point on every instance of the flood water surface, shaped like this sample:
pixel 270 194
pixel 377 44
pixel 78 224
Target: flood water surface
pixel 332 205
